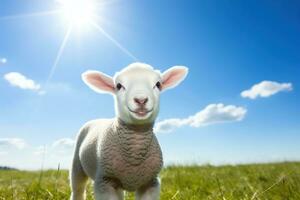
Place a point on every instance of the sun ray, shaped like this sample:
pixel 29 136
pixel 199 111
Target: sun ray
pixel 35 14
pixel 59 54
pixel 77 14
pixel 101 30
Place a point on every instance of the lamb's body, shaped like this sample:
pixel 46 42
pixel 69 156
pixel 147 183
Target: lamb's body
pixel 127 156
pixel 123 153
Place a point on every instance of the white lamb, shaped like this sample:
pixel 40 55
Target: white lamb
pixel 123 153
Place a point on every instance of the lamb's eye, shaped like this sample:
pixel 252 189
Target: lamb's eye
pixel 158 85
pixel 119 86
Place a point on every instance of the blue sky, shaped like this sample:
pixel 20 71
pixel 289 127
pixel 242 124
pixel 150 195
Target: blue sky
pixel 229 46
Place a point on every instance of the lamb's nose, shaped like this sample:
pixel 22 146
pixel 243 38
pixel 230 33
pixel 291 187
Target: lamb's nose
pixel 140 101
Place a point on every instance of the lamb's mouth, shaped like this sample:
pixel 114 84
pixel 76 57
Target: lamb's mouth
pixel 141 112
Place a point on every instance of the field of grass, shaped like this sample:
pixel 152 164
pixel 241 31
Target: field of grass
pixel 280 181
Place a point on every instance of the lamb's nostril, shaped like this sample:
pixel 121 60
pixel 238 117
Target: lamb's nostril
pixel 141 101
pixel 146 100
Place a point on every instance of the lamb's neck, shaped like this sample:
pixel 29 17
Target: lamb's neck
pixel 134 128
pixel 134 141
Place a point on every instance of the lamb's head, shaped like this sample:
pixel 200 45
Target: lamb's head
pixel 136 89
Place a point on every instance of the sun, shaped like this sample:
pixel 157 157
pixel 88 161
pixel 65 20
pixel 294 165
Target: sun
pixel 80 16
pixel 78 12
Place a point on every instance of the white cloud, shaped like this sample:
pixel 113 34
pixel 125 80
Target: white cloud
pixel 16 143
pixel 64 143
pixel 40 150
pixel 211 114
pixel 168 125
pixel 266 89
pixel 19 80
pixel 19 154
pixel 3 61
pixel 62 147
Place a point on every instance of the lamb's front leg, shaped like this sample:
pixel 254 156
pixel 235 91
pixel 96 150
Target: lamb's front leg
pixel 107 190
pixel 150 191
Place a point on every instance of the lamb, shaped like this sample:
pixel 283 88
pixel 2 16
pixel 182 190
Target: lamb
pixel 123 153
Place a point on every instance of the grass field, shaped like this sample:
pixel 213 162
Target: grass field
pixel 280 181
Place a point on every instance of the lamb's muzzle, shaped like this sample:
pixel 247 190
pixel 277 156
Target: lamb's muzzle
pixel 123 153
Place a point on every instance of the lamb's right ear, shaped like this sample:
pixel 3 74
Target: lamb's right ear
pixel 99 81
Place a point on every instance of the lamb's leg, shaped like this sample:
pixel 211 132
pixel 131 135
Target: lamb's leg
pixel 150 191
pixel 78 181
pixel 107 190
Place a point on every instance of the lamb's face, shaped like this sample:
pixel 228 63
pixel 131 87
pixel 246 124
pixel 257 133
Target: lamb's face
pixel 136 89
pixel 137 94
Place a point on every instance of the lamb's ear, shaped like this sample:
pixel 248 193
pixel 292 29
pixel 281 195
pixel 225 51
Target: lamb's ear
pixel 99 81
pixel 173 76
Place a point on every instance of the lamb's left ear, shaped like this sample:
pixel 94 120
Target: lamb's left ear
pixel 99 81
pixel 173 76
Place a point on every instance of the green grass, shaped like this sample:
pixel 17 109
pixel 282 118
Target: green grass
pixel 279 181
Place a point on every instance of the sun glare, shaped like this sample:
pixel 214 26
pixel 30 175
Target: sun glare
pixel 79 15
pixel 78 12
